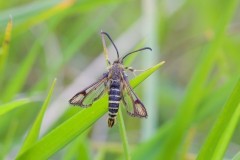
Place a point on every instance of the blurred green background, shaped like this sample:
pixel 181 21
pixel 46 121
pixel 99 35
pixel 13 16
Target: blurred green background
pixel 192 101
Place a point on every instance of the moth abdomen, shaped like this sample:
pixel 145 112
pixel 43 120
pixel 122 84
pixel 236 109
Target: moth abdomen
pixel 114 100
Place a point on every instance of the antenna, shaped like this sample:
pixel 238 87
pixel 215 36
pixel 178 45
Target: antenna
pixel 145 48
pixel 111 42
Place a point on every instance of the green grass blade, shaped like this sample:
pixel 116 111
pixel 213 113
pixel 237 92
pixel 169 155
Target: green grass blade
pixel 136 81
pixel 44 15
pixel 8 140
pixel 196 87
pixel 75 125
pixel 79 148
pixel 45 11
pixel 237 156
pixel 123 134
pixel 101 154
pixel 220 136
pixel 4 50
pixel 23 12
pixel 16 83
pixel 34 131
pixel 5 108
pixel 149 149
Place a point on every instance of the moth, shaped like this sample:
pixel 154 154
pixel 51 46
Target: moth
pixel 116 83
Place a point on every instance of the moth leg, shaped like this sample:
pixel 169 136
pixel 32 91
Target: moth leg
pixel 105 50
pixel 134 70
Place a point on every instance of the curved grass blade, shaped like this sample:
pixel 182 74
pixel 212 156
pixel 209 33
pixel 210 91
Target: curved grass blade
pixel 23 12
pixel 123 134
pixel 34 131
pixel 150 148
pixel 237 156
pixel 79 148
pixel 35 13
pixel 45 14
pixel 75 125
pixel 5 108
pixel 220 136
pixel 4 50
pixel 196 87
pixel 16 83
pixel 8 141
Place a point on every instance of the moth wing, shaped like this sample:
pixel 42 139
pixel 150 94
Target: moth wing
pixel 131 101
pixel 86 97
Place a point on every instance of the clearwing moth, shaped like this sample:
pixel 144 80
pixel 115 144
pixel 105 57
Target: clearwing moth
pixel 116 83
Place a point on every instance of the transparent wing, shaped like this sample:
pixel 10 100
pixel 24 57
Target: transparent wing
pixel 86 97
pixel 132 103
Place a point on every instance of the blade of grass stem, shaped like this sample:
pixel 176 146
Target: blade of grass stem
pixel 23 12
pixel 4 50
pixel 123 135
pixel 5 108
pixel 195 88
pixel 45 14
pixel 34 131
pixel 237 156
pixel 16 83
pixel 220 136
pixel 9 139
pixel 150 148
pixel 79 149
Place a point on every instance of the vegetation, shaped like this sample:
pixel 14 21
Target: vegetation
pixel 52 49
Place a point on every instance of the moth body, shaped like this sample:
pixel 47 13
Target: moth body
pixel 114 93
pixel 115 81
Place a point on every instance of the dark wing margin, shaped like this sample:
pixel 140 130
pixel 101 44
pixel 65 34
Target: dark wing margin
pixel 130 100
pixel 86 97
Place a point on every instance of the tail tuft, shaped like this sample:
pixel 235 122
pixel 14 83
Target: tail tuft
pixel 111 122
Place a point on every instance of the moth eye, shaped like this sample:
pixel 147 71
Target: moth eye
pixel 105 74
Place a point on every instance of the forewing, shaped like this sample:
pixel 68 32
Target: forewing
pixel 132 103
pixel 86 97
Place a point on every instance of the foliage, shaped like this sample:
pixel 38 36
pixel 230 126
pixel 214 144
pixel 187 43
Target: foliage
pixel 195 94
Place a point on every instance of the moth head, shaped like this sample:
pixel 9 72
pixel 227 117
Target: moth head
pixel 120 60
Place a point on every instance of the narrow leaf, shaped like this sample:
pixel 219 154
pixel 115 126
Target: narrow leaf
pixel 5 108
pixel 195 90
pixel 34 131
pixel 45 14
pixel 150 148
pixel 75 125
pixel 15 84
pixel 81 144
pixel 123 135
pixel 5 48
pixel 8 141
pixel 237 156
pixel 220 136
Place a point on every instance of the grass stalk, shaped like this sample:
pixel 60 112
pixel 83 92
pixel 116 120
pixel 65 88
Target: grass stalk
pixel 34 131
pixel 123 134
pixel 195 88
